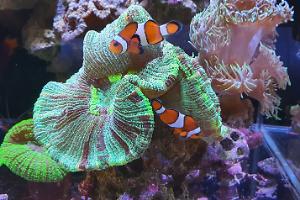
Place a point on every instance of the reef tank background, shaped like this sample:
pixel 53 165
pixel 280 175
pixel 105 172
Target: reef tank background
pixel 81 143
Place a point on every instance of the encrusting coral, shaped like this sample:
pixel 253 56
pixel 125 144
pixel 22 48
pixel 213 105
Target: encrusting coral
pixel 21 153
pixel 235 39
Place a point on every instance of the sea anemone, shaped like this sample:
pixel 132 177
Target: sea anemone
pixel 235 39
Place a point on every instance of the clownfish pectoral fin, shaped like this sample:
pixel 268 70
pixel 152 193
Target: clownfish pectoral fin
pixel 183 134
pixel 177 131
pixel 196 136
pixel 129 30
pixel 180 133
pixel 152 32
pixel 170 28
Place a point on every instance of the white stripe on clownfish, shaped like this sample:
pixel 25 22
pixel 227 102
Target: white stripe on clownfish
pixel 180 123
pixel 142 35
pixel 161 110
pixel 122 42
pixel 163 30
pixel 194 132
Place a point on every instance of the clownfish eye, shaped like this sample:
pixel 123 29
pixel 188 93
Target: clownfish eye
pixel 116 43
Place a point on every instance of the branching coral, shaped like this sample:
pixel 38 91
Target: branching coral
pixel 74 17
pixel 94 122
pixel 25 157
pixel 235 39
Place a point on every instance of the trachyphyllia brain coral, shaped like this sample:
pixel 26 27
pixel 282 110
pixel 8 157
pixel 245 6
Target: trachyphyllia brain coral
pixel 88 128
pixel 90 123
pixel 235 39
pixel 21 153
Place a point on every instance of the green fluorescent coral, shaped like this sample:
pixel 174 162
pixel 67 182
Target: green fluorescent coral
pixel 119 132
pixel 98 61
pixel 96 97
pixel 20 133
pixel 86 127
pixel 24 157
pixel 198 98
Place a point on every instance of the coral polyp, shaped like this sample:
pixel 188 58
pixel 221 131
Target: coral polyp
pixel 21 153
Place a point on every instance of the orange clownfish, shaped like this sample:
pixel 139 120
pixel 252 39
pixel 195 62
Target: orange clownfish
pixel 135 35
pixel 184 125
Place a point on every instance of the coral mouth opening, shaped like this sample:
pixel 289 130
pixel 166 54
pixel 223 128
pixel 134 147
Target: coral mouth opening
pixel 35 147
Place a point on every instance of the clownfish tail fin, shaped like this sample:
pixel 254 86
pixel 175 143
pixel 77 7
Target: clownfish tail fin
pixel 170 28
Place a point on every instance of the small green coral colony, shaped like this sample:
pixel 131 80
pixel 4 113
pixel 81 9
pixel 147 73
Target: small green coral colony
pixel 78 125
pixel 21 153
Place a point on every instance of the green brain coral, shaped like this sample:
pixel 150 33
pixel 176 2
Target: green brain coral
pixel 24 157
pixel 98 61
pixel 88 128
pixel 102 115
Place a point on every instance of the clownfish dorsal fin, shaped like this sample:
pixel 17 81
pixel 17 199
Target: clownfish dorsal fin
pixel 129 31
pixel 152 32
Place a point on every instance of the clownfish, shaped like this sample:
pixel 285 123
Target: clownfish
pixel 134 36
pixel 184 125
